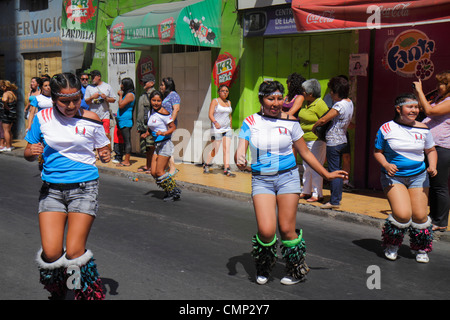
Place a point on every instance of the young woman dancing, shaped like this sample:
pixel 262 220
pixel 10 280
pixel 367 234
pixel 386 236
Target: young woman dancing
pixel 161 126
pixel 400 148
pixel 66 137
pixel 271 134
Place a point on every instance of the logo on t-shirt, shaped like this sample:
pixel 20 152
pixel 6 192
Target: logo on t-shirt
pixel 80 130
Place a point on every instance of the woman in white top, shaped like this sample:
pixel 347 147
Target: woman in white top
pixel 340 114
pixel 270 135
pixel 220 115
pixel 67 136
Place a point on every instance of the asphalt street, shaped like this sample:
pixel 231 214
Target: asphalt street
pixel 198 249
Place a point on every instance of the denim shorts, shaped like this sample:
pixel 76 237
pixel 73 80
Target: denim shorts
pixel 219 135
pixel 164 148
pixel 420 180
pixel 282 183
pixel 83 199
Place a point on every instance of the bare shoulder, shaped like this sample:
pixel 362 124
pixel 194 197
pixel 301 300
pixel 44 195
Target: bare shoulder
pixel 420 125
pixel 91 115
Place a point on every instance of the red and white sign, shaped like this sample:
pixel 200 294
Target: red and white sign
pixel 166 30
pixel 117 34
pixel 224 70
pixel 366 14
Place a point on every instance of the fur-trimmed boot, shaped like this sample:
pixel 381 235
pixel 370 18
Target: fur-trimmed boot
pixel 168 184
pixel 294 252
pixel 265 256
pixel 53 276
pixel 392 236
pixel 87 283
pixel 421 240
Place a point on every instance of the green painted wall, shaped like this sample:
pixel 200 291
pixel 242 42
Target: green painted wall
pixel 257 58
pixel 320 56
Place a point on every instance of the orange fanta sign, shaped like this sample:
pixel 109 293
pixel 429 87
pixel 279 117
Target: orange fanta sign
pixel 409 55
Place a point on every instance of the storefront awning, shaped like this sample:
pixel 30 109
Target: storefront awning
pixel 314 15
pixel 189 22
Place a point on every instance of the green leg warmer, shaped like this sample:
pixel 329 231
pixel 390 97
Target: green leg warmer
pixel 265 255
pixel 294 252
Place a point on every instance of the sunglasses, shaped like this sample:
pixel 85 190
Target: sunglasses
pixel 84 79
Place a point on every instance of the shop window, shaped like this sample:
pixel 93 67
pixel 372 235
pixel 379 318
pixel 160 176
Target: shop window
pixel 33 5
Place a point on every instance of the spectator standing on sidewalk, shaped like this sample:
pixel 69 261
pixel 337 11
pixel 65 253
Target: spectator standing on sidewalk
pixel 147 145
pixel 336 137
pixel 98 96
pixel 171 103
pixel 400 148
pixel 271 135
pixel 8 112
pixel 84 77
pixel 220 114
pixel 124 119
pixel 314 108
pixel 438 120
pixel 68 197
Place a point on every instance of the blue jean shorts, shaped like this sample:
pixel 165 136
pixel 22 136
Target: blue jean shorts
pixel 420 180
pixel 164 148
pixel 83 199
pixel 282 183
pixel 219 135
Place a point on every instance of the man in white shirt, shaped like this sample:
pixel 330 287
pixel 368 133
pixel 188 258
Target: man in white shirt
pixel 98 96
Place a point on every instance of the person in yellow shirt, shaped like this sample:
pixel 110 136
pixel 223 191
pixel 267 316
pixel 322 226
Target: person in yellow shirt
pixel 314 108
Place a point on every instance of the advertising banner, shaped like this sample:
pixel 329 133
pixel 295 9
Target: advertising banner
pixel 312 15
pixel 79 20
pixel 190 22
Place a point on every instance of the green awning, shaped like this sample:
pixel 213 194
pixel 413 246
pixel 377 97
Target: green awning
pixel 189 22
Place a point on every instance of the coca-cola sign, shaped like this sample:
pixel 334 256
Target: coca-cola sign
pixel 325 17
pixel 313 15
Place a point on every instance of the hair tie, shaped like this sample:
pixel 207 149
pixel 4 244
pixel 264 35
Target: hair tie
pixel 66 95
pixel 275 93
pixel 407 102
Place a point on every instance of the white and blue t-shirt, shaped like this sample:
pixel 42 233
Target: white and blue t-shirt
pixel 270 141
pixel 159 122
pixel 404 146
pixel 69 145
pixel 42 102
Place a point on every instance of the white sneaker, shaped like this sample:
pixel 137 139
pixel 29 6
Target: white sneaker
pixel 288 280
pixel 422 256
pixel 261 279
pixel 5 149
pixel 391 252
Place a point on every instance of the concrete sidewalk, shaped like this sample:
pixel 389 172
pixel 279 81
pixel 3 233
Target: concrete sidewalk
pixel 361 206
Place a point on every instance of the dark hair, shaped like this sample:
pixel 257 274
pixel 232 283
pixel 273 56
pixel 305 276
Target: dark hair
pixel 63 81
pixel 156 93
pixel 268 87
pixel 295 81
pixel 128 86
pixel 170 85
pixel 340 86
pixel 402 98
pixel 38 80
pixel 223 85
pixel 95 73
